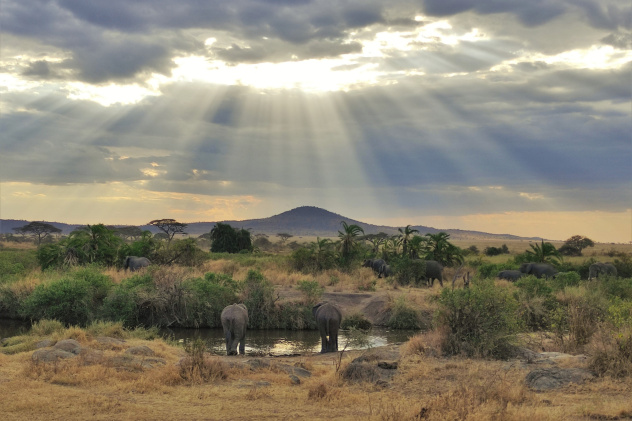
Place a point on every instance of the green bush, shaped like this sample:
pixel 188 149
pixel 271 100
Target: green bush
pixel 403 316
pixel 206 298
pixel 409 271
pixel 615 287
pixel 312 291
pixel 623 263
pixel 535 302
pixel 73 300
pixel 258 296
pixel 356 321
pixel 565 279
pixel 490 270
pixel 478 321
pixel 16 263
pixel 294 316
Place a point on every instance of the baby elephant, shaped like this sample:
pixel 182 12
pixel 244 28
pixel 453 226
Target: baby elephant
pixel 234 321
pixel 510 275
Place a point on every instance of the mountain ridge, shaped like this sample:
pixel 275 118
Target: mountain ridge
pixel 300 221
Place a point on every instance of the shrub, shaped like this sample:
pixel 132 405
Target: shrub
pixel 356 321
pixel 294 316
pixel 73 300
pixel 403 316
pixel 565 279
pixel 258 296
pixel 479 321
pixel 312 291
pixel 198 367
pixel 490 270
pixel 410 271
pixel 16 263
pixel 623 263
pixel 615 287
pixel 206 298
pixel 611 352
pixel 535 302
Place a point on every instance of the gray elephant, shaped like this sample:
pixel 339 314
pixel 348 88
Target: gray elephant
pixel 234 321
pixel 134 263
pixel 328 318
pixel 386 271
pixel 376 264
pixel 539 270
pixel 510 275
pixel 599 270
pixel 434 270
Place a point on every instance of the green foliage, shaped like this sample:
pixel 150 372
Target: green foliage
pixel 403 316
pixel 356 321
pixel 441 250
pixel 409 271
pixel 72 300
pixel 574 245
pixel 543 253
pixel 479 321
pixel 496 251
pixel 226 239
pixel 623 263
pixel 348 240
pixel 615 287
pixel 565 279
pixel 207 297
pixel 490 270
pixel 316 257
pixel 535 302
pixel 258 296
pixel 16 263
pixel 294 316
pixel 312 291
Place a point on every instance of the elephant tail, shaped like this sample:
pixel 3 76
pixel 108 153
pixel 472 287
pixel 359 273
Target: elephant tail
pixel 327 331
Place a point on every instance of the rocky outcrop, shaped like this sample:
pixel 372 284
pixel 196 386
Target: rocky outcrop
pixel 544 379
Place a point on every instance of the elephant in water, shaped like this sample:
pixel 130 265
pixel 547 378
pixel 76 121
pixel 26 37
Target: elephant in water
pixel 510 275
pixel 134 263
pixel 434 270
pixel 376 264
pixel 597 270
pixel 328 318
pixel 539 270
pixel 234 321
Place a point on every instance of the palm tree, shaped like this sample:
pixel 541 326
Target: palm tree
pixel 406 233
pixel 348 237
pixel 441 250
pixel 546 252
pixel 418 247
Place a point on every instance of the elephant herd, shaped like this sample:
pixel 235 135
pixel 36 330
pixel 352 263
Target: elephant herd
pixel 545 270
pixel 235 320
pixel 434 269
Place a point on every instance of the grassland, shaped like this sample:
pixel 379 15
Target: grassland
pixel 427 384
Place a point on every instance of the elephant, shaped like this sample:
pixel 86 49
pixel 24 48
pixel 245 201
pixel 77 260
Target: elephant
pixel 328 318
pixel 234 321
pixel 434 270
pixel 385 271
pixel 539 270
pixel 134 263
pixel 376 264
pixel 597 269
pixel 510 275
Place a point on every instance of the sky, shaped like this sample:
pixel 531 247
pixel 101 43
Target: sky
pixel 503 116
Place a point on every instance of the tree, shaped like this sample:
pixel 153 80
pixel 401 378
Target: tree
pixel 170 227
pixel 226 239
pixel 130 233
pixel 406 233
pixel 284 236
pixel 574 245
pixel 348 238
pixel 441 250
pixel 418 246
pixel 39 230
pixel 544 252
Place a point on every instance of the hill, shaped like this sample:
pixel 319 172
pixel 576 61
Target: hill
pixel 301 221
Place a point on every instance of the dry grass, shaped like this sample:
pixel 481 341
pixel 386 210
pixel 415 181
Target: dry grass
pixel 425 388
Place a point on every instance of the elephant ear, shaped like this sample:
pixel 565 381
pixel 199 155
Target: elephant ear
pixel 127 259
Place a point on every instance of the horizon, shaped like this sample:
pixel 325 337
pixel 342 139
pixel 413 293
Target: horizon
pixel 499 117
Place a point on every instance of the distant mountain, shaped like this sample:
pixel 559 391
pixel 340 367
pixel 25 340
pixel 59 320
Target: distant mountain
pixel 301 221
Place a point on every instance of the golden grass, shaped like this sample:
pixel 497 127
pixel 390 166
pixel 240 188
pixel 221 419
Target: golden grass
pixel 424 388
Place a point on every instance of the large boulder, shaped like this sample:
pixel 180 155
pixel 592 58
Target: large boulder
pixel 544 379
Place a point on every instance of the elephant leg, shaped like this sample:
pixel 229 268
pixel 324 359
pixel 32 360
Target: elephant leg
pixel 242 346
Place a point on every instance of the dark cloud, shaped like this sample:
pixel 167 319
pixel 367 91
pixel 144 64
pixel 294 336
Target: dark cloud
pixel 622 40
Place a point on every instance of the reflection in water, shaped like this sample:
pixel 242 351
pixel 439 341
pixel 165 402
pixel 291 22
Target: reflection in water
pixel 259 342
pixel 284 342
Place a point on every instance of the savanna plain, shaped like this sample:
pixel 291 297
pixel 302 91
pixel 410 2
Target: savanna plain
pixel 476 339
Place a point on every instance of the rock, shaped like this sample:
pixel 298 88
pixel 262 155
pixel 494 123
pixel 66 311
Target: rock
pixel 140 350
pixel 544 379
pixel 292 370
pixel 387 365
pixel 51 355
pixel 110 343
pixel 294 379
pixel 357 372
pixel 69 345
pixel 258 363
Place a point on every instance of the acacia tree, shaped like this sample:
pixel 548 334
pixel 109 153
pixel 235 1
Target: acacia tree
pixel 39 230
pixel 284 236
pixel 170 227
pixel 574 245
pixel 129 232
